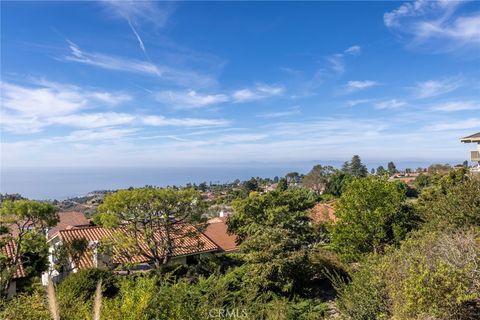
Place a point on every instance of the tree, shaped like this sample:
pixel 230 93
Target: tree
pixel 67 256
pixel 355 167
pixel 338 182
pixel 317 178
pixel 392 169
pixel 439 168
pixel 283 209
pixel 22 223
pixel 371 214
pixel 292 177
pixel 381 171
pixel 283 262
pixel 282 184
pixel 251 185
pixel 422 181
pixel 453 203
pixel 146 211
pixel 203 186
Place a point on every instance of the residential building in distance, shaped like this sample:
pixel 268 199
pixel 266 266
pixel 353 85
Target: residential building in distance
pixel 67 220
pixel 217 231
pixel 474 155
pixel 188 243
pixel 8 250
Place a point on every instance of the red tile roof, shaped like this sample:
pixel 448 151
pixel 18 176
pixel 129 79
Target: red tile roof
pixel 217 231
pixel 323 212
pixel 69 219
pixel 9 251
pixel 187 241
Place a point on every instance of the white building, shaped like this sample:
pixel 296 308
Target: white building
pixel 474 155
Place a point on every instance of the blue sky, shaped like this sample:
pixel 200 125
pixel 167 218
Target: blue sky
pixel 193 84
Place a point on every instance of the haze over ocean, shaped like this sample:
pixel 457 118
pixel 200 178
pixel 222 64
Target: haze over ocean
pixel 62 183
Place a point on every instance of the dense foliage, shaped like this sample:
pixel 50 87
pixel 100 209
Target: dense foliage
pixel 372 214
pixel 398 251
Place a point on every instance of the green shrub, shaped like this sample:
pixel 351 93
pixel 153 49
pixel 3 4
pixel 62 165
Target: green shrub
pixel 23 306
pixel 76 292
pixel 431 276
pixel 364 297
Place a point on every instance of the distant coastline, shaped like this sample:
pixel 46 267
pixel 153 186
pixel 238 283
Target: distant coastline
pixel 63 183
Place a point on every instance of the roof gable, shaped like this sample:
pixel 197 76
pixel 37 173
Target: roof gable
pixel 187 240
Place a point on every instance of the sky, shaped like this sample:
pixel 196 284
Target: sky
pixel 199 84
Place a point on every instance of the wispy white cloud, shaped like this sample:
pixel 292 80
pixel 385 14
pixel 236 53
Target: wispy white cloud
pixel 31 109
pixel 100 134
pixel 353 50
pixel 51 98
pixel 189 99
pixel 357 85
pixel 167 73
pixel 146 11
pixel 92 120
pixel 192 99
pixel 436 24
pixel 20 124
pixel 183 122
pixel 137 13
pixel 390 104
pixel 139 39
pixel 337 63
pixel 472 123
pixel 356 102
pixel 278 114
pixel 433 88
pixel 260 91
pixel 278 143
pixel 453 106
pixel 306 83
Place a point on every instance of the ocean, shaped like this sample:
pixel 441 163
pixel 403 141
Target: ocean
pixel 63 183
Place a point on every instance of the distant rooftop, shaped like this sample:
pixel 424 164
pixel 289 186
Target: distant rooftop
pixel 473 138
pixel 217 231
pixel 69 219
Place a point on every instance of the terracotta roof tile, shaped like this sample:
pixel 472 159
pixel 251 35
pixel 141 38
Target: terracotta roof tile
pixel 9 251
pixel 187 241
pixel 217 231
pixel 69 219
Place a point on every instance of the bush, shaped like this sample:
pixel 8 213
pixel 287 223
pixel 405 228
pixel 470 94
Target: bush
pixel 436 274
pixel 433 275
pixel 23 306
pixel 364 297
pixel 371 215
pixel 452 204
pixel 76 292
pixel 83 284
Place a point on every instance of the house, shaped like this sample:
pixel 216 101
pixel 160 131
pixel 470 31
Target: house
pixel 67 220
pixel 187 242
pixel 9 251
pixel 474 155
pixel 323 212
pixel 217 231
